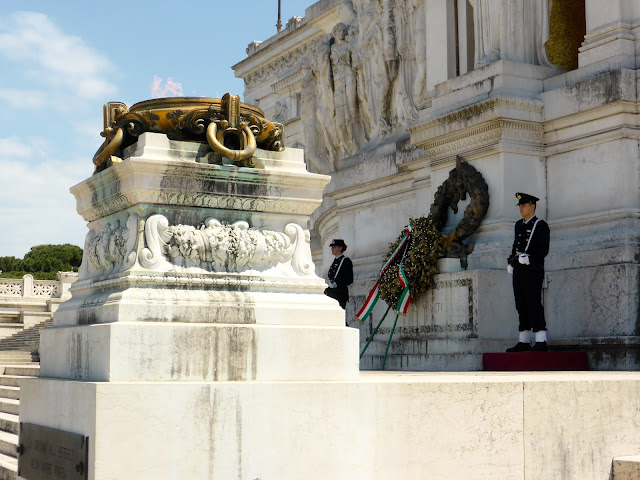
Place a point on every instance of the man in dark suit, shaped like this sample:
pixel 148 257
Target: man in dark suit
pixel 526 263
pixel 340 273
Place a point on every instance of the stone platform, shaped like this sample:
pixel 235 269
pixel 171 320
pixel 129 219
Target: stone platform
pixel 381 426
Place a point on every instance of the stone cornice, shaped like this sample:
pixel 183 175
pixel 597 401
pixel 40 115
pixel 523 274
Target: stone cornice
pixel 496 134
pixel 277 50
pixel 464 114
pixel 277 67
pixel 497 123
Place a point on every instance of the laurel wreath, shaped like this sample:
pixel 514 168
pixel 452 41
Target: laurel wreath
pixel 427 243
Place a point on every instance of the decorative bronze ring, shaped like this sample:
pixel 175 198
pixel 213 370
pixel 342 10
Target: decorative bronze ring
pixel 232 129
pixel 235 155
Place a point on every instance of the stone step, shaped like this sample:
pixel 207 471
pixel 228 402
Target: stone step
pixel 9 422
pixel 9 392
pixel 8 405
pixel 437 346
pixel 22 370
pixel 424 363
pixel 626 468
pixel 8 467
pixel 8 444
pixel 11 380
pixel 14 355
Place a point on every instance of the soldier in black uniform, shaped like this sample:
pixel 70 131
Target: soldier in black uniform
pixel 526 263
pixel 340 273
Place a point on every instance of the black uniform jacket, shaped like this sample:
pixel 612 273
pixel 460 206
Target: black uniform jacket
pixel 538 247
pixel 345 275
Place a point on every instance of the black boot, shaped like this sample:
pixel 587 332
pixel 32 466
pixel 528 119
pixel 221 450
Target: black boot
pixel 520 347
pixel 539 347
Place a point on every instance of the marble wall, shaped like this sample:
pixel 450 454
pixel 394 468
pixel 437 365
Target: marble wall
pixel 384 95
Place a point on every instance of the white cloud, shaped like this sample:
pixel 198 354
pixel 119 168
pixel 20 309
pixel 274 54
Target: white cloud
pixel 54 57
pixel 25 98
pixel 37 207
pixel 12 148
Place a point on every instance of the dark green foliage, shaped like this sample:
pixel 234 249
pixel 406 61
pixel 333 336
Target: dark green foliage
pixel 43 262
pixel 419 261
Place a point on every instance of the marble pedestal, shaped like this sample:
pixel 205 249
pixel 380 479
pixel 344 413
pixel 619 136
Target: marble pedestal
pixel 192 272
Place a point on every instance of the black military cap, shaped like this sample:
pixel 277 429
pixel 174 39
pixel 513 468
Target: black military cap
pixel 338 242
pixel 525 198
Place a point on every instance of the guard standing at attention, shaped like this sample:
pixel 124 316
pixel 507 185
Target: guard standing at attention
pixel 526 263
pixel 340 273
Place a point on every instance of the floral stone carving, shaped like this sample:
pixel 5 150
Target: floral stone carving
pixel 218 247
pixel 112 247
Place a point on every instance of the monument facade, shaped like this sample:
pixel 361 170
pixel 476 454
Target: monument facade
pixel 385 96
pixel 198 342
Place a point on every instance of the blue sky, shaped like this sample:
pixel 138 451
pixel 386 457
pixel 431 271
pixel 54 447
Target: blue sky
pixel 61 60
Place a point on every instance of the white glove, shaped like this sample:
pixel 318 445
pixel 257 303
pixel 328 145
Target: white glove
pixel 523 259
pixel 509 269
pixel 333 285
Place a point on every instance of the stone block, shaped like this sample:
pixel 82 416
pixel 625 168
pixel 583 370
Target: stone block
pixel 577 427
pixel 626 468
pixel 590 93
pixel 385 425
pixel 122 352
pixel 593 302
pixel 250 430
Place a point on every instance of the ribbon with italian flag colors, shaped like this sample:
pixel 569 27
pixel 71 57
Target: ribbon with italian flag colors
pixel 374 294
pixel 405 296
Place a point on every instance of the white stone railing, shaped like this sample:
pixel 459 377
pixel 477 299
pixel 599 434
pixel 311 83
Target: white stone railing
pixel 28 287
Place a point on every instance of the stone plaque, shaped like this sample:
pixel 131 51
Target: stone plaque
pixel 445 310
pixel 450 307
pixel 48 454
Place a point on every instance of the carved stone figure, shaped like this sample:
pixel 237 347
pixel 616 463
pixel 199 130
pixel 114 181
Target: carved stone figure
pixel 410 37
pixel 325 110
pixel 358 57
pixel 514 30
pixel 374 39
pixel 315 153
pixel 280 111
pixel 345 96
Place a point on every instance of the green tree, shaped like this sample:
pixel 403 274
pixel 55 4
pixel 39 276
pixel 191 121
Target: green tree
pixel 10 264
pixel 43 262
pixel 53 258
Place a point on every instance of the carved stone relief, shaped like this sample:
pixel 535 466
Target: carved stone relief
pixel 219 247
pixel 367 80
pixel 364 81
pixel 111 248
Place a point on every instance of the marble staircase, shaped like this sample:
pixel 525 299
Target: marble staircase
pixel 10 377
pixel 18 359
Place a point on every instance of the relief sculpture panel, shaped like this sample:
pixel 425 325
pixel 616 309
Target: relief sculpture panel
pixel 365 81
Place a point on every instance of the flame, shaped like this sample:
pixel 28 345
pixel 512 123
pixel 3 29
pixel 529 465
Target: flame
pixel 170 89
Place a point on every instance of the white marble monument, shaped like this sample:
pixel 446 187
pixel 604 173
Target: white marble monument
pixel 435 79
pixel 198 345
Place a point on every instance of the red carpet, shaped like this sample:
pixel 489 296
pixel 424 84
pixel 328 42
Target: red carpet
pixel 534 361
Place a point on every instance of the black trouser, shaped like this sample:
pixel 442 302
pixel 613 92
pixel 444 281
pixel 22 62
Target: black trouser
pixel 340 294
pixel 527 290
